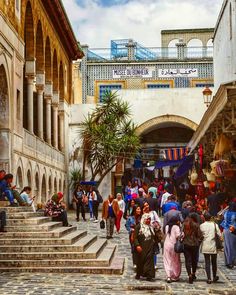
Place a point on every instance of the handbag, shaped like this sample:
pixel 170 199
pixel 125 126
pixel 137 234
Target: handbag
pixel 179 245
pixel 219 244
pixel 102 224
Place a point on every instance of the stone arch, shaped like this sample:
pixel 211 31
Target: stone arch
pixel 19 179
pixel 173 42
pixel 210 43
pixel 50 189
pixel 29 178
pixel 29 33
pixel 48 61
pixel 60 185
pixel 55 72
pixel 150 124
pixel 61 83
pixel 194 42
pixel 39 49
pixel 4 99
pixel 43 189
pixel 55 185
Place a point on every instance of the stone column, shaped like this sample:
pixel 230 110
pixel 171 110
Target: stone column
pixel 55 124
pixel 40 81
pixel 40 110
pixel 48 99
pixel 48 120
pixel 62 131
pixel 181 49
pixel 55 104
pixel 131 46
pixel 30 103
pixel 30 75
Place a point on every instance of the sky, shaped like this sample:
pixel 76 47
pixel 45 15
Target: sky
pixel 96 22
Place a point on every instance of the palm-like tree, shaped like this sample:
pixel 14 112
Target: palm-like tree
pixel 108 136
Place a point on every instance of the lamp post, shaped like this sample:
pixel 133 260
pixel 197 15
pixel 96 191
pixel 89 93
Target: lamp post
pixel 207 96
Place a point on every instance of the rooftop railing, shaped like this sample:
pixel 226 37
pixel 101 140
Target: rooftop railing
pixel 139 53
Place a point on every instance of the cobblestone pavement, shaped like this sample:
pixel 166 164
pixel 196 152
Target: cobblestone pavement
pixel 36 283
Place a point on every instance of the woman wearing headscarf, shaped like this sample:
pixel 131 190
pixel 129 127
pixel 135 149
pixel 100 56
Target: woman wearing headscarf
pixel 56 209
pixel 172 263
pixel 131 222
pixel 144 242
pixel 229 226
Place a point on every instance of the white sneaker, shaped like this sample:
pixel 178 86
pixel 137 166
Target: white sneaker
pixel 91 219
pixel 95 221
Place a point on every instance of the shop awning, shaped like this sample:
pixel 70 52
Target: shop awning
pixel 217 105
pixel 161 164
pixel 184 167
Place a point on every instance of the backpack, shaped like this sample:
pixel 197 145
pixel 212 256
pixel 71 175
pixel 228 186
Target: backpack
pixel 99 197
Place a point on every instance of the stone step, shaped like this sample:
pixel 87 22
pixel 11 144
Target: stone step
pixel 79 246
pixel 17 209
pixel 91 252
pixel 24 215
pixel 68 239
pixel 104 259
pixel 116 268
pixel 47 226
pixel 28 221
pixel 55 233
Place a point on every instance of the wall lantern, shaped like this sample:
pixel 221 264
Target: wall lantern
pixel 207 96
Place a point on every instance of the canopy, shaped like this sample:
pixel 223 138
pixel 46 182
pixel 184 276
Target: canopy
pixel 161 164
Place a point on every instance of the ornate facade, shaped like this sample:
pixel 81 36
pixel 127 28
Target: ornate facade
pixel 37 47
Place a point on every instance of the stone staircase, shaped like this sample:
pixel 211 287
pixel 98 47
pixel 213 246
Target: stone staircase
pixel 33 243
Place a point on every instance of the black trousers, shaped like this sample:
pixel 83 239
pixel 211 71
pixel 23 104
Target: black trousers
pixel 191 258
pixel 3 217
pixel 80 207
pixel 95 209
pixel 62 217
pixel 210 259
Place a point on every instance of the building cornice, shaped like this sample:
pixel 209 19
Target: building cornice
pixel 57 13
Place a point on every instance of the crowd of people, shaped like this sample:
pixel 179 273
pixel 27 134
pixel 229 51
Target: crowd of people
pixel 159 217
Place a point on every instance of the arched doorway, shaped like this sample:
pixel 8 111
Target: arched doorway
pixel 43 190
pixel 50 186
pixel 36 188
pixel 55 185
pixel 19 179
pixel 29 182
pixel 162 138
pixel 4 120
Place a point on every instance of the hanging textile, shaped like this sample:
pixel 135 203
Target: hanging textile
pixel 176 153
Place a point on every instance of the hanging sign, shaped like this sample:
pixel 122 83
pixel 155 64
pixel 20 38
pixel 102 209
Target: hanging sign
pixel 132 72
pixel 170 73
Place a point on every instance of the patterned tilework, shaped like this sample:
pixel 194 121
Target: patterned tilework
pixel 103 71
pixel 202 85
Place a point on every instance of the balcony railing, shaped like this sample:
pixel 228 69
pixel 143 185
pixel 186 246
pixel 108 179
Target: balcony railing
pixel 42 149
pixel 148 53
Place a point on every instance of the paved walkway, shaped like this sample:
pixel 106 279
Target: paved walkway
pixel 36 283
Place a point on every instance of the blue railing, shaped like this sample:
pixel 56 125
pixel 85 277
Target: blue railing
pixel 120 52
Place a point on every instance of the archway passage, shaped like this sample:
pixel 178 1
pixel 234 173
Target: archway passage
pixel 163 138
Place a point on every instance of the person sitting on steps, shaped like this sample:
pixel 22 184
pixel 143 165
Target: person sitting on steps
pixel 57 209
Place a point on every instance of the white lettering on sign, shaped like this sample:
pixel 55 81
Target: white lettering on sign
pixel 170 73
pixel 143 72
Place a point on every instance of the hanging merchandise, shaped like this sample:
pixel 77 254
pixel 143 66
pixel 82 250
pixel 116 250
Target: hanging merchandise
pixel 223 145
pixel 210 177
pixel 218 167
pixel 193 177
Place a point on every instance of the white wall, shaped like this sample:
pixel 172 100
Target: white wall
pixel 224 46
pixel 145 105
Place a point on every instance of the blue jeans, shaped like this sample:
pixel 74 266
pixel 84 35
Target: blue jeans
pixel 9 195
pixel 91 208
